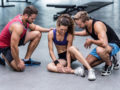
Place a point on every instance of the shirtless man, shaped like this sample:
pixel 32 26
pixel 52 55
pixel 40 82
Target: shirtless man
pixel 108 43
pixel 15 34
pixel 62 37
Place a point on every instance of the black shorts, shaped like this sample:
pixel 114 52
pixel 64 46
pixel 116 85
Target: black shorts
pixel 7 51
pixel 63 56
pixel 21 42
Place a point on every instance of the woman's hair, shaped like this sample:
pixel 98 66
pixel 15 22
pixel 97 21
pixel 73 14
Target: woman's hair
pixel 30 10
pixel 66 20
pixel 82 15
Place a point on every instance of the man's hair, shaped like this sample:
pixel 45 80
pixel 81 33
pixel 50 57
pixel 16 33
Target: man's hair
pixel 66 20
pixel 30 10
pixel 83 15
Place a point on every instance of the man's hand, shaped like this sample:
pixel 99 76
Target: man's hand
pixel 88 43
pixel 51 29
pixel 20 65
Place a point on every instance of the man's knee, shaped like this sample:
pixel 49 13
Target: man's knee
pixel 38 34
pixel 100 50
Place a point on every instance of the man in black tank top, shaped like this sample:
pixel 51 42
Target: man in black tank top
pixel 108 43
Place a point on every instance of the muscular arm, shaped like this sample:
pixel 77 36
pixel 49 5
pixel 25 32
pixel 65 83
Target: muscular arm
pixel 38 28
pixel 100 30
pixel 70 41
pixel 50 45
pixel 16 30
pixel 81 33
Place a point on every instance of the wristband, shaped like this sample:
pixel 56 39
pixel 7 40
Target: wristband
pixel 56 62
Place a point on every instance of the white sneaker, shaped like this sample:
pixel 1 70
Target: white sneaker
pixel 80 72
pixel 91 75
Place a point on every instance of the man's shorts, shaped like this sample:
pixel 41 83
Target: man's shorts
pixel 7 51
pixel 115 50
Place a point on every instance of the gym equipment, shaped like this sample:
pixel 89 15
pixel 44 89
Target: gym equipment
pixel 2 4
pixel 19 1
pixel 68 8
pixel 73 9
pixel 92 6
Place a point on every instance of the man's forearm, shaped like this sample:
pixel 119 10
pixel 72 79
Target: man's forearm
pixel 81 33
pixel 42 29
pixel 15 53
pixel 99 43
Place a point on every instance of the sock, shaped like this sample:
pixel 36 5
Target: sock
pixel 25 60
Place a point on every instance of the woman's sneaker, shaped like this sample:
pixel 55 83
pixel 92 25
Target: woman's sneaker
pixel 91 75
pixel 80 72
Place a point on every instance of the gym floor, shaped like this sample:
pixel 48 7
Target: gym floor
pixel 37 77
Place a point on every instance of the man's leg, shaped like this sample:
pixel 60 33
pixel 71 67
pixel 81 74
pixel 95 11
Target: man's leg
pixel 113 54
pixel 34 38
pixel 96 63
pixel 104 54
pixel 9 60
pixel 115 49
pixel 115 62
pixel 2 61
pixel 93 61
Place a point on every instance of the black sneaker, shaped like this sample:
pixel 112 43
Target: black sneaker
pixel 31 62
pixel 107 70
pixel 115 62
pixel 2 61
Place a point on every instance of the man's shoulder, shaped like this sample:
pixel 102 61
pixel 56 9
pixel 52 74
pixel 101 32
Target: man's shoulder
pixel 99 23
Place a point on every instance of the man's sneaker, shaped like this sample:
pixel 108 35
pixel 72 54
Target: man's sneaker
pixel 115 62
pixel 116 66
pixel 91 75
pixel 80 72
pixel 31 62
pixel 107 70
pixel 2 61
